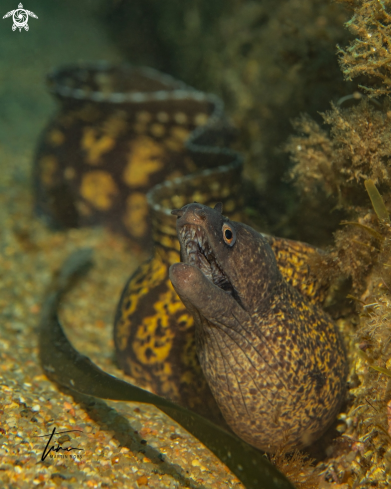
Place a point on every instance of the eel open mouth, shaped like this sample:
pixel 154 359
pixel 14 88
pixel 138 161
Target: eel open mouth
pixel 198 252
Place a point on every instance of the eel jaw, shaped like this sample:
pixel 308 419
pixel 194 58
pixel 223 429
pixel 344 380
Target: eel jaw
pixel 196 251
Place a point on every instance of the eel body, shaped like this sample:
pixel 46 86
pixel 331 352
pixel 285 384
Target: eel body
pixel 120 131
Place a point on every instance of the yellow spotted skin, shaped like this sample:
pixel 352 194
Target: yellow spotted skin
pixel 154 338
pixel 113 140
pixel 294 259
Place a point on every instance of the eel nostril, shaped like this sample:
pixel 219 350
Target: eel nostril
pixel 200 213
pixel 177 212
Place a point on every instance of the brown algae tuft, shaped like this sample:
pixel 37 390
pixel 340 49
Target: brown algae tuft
pixel 368 54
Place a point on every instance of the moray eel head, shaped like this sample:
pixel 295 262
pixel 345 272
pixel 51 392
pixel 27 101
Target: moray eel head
pixel 223 262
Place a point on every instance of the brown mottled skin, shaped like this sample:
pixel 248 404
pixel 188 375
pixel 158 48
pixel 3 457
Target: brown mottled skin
pixel 275 362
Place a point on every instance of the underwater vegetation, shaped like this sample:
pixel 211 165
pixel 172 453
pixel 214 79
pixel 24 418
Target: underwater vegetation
pixel 349 163
pixel 334 165
pixel 368 54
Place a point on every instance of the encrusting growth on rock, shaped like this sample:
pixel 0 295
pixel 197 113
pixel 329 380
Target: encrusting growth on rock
pixel 297 467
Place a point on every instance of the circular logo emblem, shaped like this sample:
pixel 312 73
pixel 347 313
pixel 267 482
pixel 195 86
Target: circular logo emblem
pixel 20 19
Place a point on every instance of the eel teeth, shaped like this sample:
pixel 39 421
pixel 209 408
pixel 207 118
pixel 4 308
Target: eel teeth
pixel 199 253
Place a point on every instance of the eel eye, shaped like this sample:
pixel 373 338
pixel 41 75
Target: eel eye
pixel 229 235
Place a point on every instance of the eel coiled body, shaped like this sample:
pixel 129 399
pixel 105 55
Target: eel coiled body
pixel 275 363
pixel 120 131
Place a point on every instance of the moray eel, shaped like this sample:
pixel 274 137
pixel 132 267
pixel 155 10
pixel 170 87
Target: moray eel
pixel 275 363
pixel 126 146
